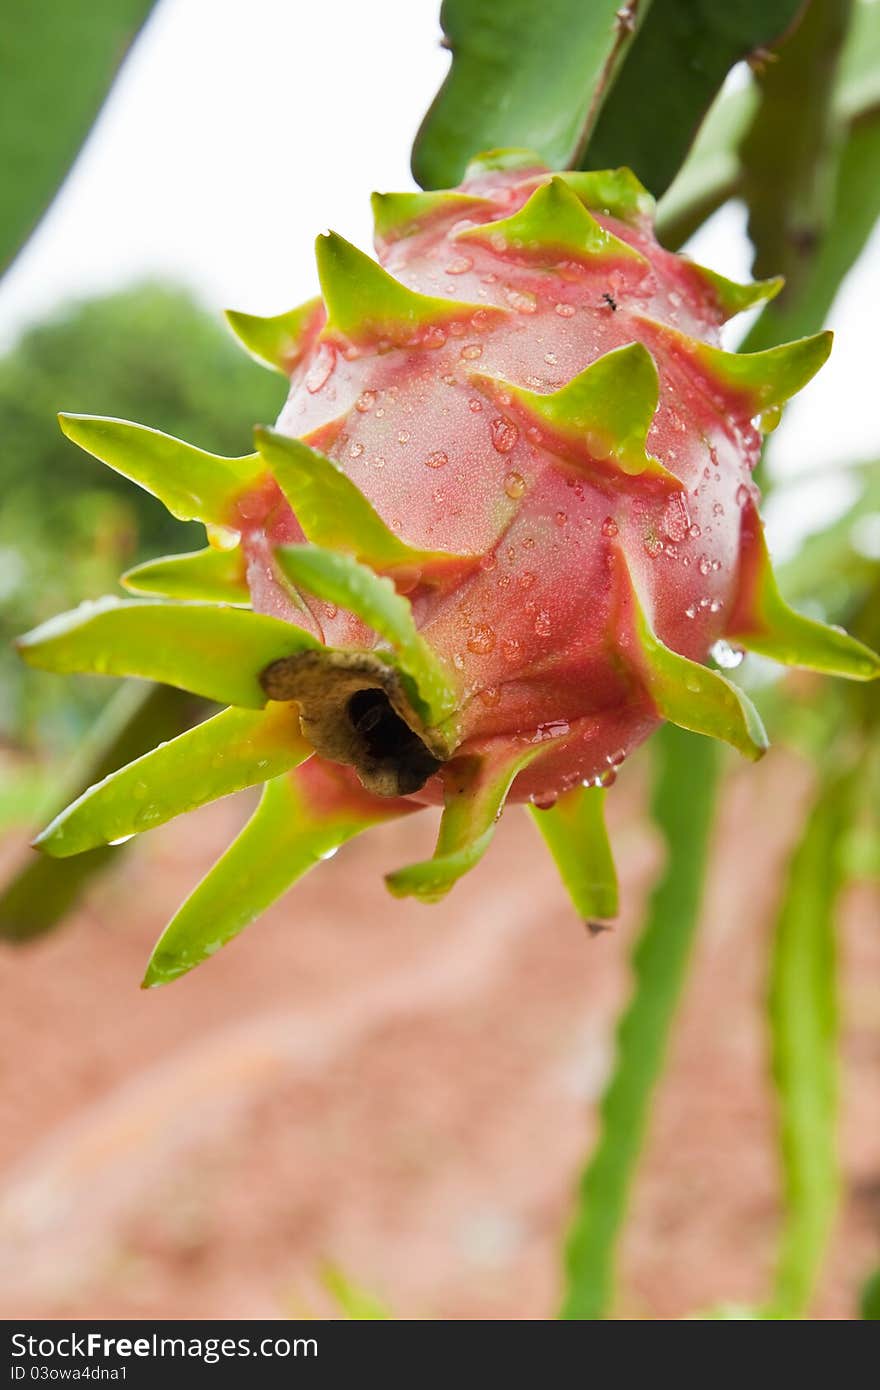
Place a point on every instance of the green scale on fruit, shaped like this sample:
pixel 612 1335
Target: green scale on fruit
pixel 505 516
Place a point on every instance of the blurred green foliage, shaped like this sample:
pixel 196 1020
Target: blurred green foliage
pixel 68 524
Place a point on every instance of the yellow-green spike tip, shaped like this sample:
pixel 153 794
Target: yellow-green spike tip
pixel 554 224
pixel 761 620
pixel 366 304
pixel 280 340
pixel 194 485
pixel 600 419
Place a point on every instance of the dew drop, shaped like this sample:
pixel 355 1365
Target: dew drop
pixel 488 561
pixel 544 802
pixel 438 459
pixel 222 537
pixel 726 656
pixel 565 311
pixel 742 495
pixel 527 580
pixel 504 435
pixel 690 611
pixel 694 532
pixel 403 437
pixel 543 625
pixel 717 509
pixel 322 369
pixel 676 518
pixel 365 402
pixel 610 527
pixel 355 450
pixel 523 301
pixel 459 266
pixel 511 649
pixel 475 405
pixel 514 486
pixel 481 639
pixel 434 337
pixel 561 518
pixel 471 351
pixel 653 546
pixel 123 840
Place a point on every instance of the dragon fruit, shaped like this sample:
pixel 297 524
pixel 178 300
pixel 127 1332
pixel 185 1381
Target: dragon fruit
pixel 506 515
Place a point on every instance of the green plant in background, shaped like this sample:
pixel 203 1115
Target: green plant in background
pixel 631 85
pixel 67 525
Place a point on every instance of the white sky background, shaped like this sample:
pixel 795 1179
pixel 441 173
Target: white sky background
pixel 240 128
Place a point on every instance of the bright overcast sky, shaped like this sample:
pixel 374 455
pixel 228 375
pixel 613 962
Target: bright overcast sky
pixel 240 128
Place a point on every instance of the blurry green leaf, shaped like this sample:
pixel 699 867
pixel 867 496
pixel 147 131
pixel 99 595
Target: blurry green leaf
pixel 353 1301
pixel 214 651
pixel 236 748
pixel 854 206
pixel 789 154
pixel 610 64
pixel 342 580
pixel 522 75
pixel 678 62
pixel 710 174
pixel 858 87
pixel 574 831
pixel 682 806
pixel 870 1299
pixel 803 1022
pixel 57 61
pixel 45 890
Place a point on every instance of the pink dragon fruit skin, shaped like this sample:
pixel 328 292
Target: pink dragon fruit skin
pixel 534 631
pixel 505 516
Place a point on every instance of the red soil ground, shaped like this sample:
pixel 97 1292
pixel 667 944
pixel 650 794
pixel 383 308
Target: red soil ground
pixel 407 1092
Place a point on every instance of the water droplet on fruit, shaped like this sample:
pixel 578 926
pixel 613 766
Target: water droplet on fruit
pixel 403 437
pixel 726 656
pixel 653 546
pixel 123 840
pixel 438 459
pixel 543 803
pixel 676 517
pixel 475 405
pixel 565 311
pixel 222 537
pixel 514 485
pixel 742 495
pixel 610 527
pixel 356 450
pixel 504 435
pixel 481 639
pixel 489 560
pixel 471 351
pixel 561 518
pixel 543 625
pixel 527 580
pixel 704 564
pixel 523 301
pixel 365 401
pixel 459 266
pixel 511 649
pixel 690 611
pixel 322 369
pixel 551 359
pixel 490 696
pixel 434 337
pixel 717 509
pixel 694 532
